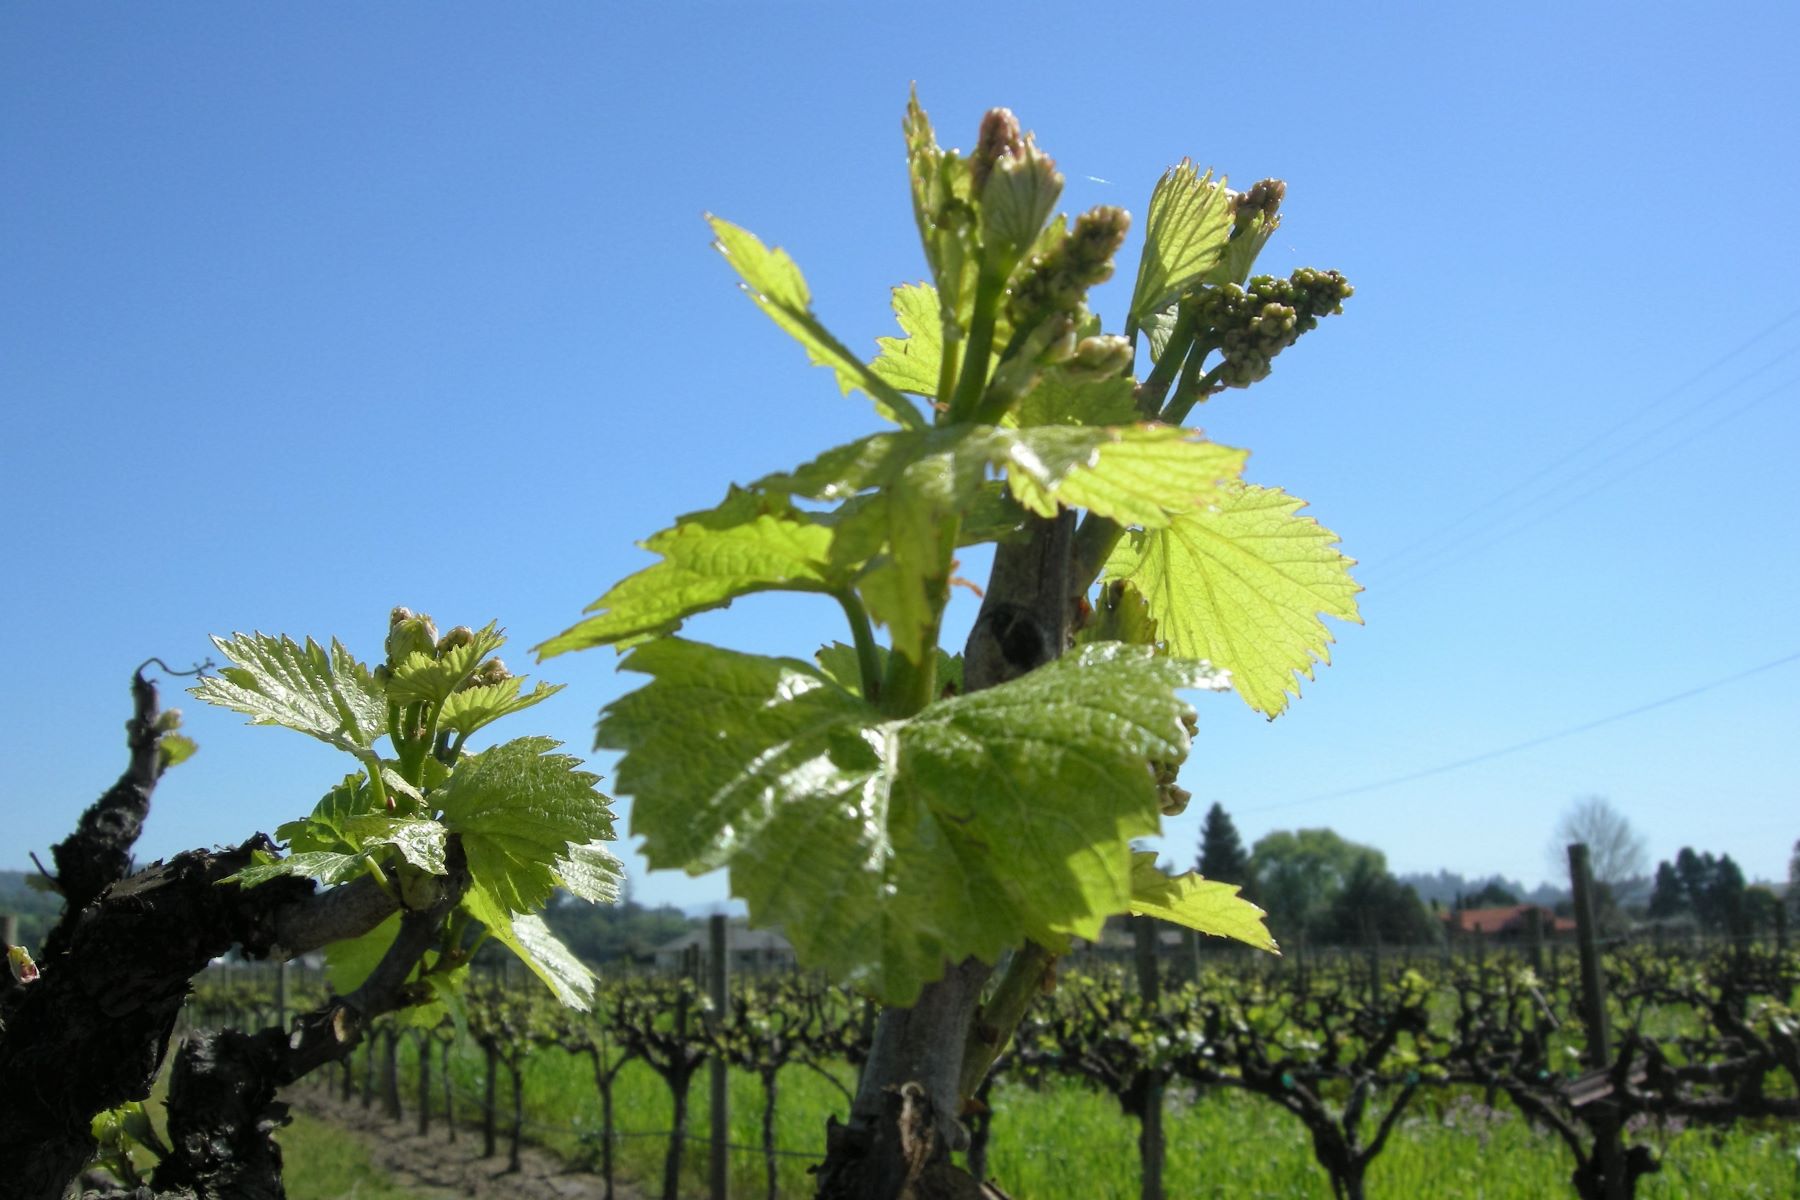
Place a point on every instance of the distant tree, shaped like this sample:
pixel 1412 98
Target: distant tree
pixel 1761 909
pixel 1727 909
pixel 603 934
pixel 1222 853
pixel 1694 871
pixel 1373 906
pixel 1298 874
pixel 1615 851
pixel 1490 895
pixel 1445 888
pixel 36 910
pixel 1668 898
pixel 1711 890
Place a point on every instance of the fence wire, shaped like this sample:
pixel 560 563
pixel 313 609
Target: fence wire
pixel 618 1135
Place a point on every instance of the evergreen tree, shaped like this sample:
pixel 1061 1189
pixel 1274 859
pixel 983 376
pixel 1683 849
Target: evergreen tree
pixel 1374 907
pixel 1222 853
pixel 1667 896
pixel 1727 909
pixel 1711 889
pixel 1492 895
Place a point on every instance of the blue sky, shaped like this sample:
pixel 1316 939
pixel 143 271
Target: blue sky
pixel 306 311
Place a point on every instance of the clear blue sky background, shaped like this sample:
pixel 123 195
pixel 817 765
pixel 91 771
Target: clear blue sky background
pixel 310 310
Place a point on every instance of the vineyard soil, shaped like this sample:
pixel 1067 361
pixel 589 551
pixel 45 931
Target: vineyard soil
pixel 434 1168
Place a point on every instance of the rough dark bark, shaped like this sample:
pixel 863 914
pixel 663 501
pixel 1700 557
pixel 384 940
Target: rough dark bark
pixel 227 1149
pixel 906 1117
pixel 98 854
pixel 90 1033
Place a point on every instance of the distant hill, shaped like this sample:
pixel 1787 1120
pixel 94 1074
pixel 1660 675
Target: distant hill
pixel 1443 887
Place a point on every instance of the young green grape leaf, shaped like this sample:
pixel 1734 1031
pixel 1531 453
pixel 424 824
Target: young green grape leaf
pixel 447 988
pixel 912 363
pixel 352 960
pixel 420 840
pixel 885 847
pixel 1184 237
pixel 773 281
pixel 1061 398
pixel 470 709
pixel 920 506
pixel 1159 326
pixel 943 196
pixel 276 681
pixel 326 866
pixel 926 478
pixel 1242 585
pixel 175 749
pixel 520 809
pixel 1208 905
pixel 1016 201
pixel 1121 615
pixel 528 937
pixel 874 461
pixel 399 785
pixel 1133 474
pixel 993 516
pixel 325 827
pixel 433 677
pixel 753 542
pixel 839 663
pixel 590 873
pixel 1241 251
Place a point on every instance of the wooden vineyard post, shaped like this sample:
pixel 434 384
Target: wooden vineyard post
pixel 1150 1130
pixel 424 1046
pixel 1593 982
pixel 489 1097
pixel 1608 1147
pixel 719 1163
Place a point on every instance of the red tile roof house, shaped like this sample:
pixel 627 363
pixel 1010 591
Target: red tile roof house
pixel 1512 923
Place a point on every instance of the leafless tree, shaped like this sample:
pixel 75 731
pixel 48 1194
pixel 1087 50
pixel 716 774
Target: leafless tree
pixel 1615 850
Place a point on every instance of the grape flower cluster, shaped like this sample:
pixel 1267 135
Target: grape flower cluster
pixel 1251 325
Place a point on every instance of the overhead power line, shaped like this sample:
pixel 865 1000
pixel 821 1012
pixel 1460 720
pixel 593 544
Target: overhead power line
pixel 1528 744
pixel 1638 414
pixel 1498 530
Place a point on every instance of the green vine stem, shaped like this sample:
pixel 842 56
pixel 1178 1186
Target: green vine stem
pixel 868 663
pixel 1155 387
pixel 1191 392
pixel 999 1018
pixel 947 368
pixel 988 289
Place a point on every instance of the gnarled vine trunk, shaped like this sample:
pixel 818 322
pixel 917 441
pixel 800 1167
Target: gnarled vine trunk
pixel 91 1031
pixel 906 1118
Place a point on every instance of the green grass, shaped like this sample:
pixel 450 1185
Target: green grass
pixel 1065 1140
pixel 320 1163
pixel 563 1114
